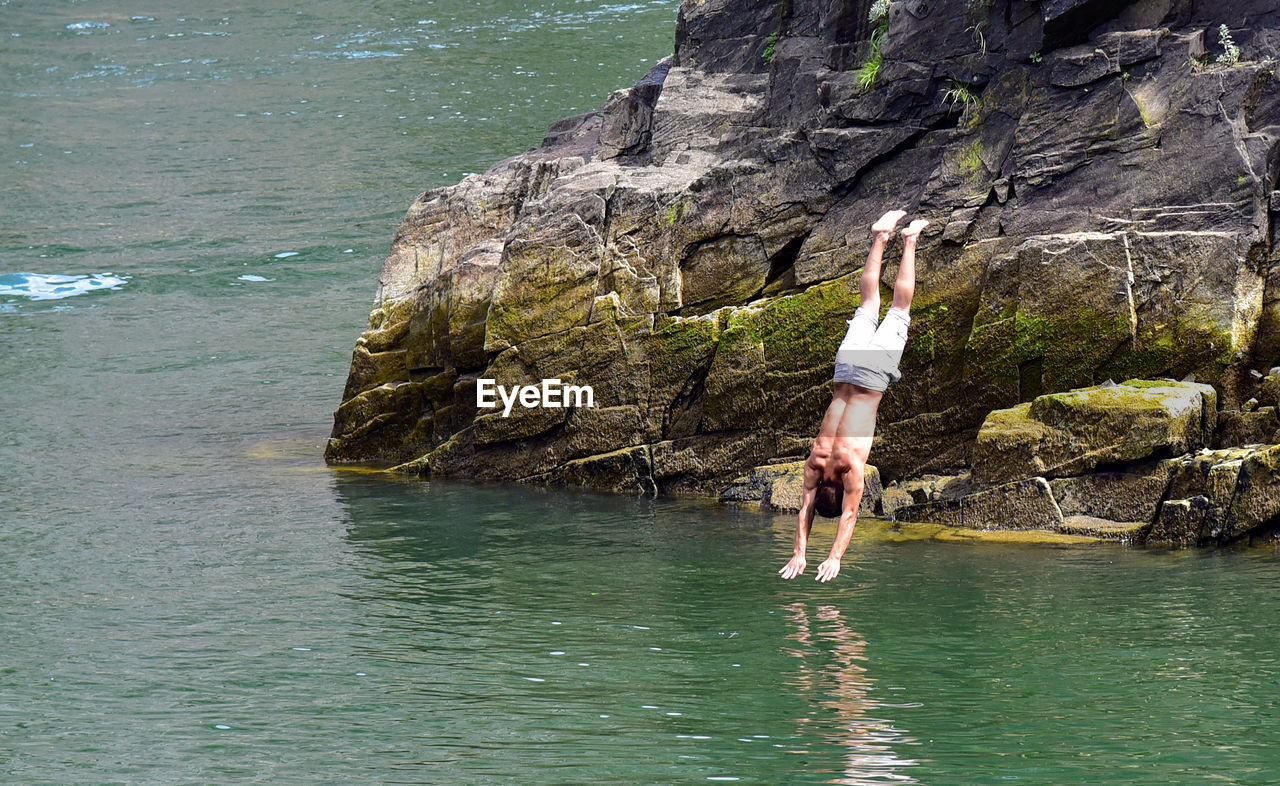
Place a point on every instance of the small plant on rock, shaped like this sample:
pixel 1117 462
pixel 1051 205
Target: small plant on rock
pixel 959 95
pixel 770 43
pixel 1230 52
pixel 979 38
pixel 870 70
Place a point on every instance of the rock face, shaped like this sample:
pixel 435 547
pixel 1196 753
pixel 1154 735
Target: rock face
pixel 1101 192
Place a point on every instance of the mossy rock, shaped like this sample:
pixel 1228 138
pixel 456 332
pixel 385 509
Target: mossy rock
pixel 678 352
pixel 1065 434
pixel 1255 504
pixel 382 424
pixel 628 470
pixel 371 369
pixel 1106 529
pixel 725 271
pixel 768 353
pixel 546 284
pixel 1180 522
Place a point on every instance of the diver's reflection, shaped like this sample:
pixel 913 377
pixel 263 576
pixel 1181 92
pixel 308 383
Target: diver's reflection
pixel 832 678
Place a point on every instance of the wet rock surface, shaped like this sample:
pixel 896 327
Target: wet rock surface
pixel 1101 193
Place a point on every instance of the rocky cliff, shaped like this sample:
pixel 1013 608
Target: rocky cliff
pixel 1099 175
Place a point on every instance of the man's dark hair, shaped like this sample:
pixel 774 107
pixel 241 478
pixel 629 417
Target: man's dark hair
pixel 829 499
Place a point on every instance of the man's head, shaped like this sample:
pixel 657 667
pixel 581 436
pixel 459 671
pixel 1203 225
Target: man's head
pixel 829 500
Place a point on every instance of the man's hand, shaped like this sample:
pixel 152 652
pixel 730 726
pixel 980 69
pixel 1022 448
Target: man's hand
pixel 794 568
pixel 914 229
pixel 829 569
pixel 883 227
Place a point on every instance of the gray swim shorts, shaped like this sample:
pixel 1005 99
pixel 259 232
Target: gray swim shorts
pixel 869 355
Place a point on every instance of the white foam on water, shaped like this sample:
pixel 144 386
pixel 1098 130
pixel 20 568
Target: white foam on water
pixel 44 286
pixel 286 254
pixel 364 54
pixel 87 25
pixel 251 277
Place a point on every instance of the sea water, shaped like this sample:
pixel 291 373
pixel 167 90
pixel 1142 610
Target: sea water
pixel 196 203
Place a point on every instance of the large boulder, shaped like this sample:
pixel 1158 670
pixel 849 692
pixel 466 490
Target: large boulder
pixel 1100 188
pixel 1064 434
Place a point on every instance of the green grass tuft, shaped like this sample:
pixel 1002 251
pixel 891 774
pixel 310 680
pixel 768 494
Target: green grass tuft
pixel 771 42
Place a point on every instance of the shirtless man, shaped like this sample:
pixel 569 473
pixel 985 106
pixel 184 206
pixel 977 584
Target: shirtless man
pixel 866 363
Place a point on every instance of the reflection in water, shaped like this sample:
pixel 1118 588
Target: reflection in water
pixel 831 676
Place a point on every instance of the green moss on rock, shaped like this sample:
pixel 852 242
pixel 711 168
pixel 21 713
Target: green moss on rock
pixel 1063 434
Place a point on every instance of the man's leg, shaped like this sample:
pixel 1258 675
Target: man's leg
pixel 891 335
pixel 904 288
pixel 862 327
pixel 881 233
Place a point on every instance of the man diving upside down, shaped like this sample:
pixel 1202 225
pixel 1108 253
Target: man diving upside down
pixel 866 363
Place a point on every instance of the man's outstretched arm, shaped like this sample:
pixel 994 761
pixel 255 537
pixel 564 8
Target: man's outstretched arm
pixel 804 523
pixel 853 483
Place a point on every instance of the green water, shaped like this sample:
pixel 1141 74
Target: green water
pixel 191 597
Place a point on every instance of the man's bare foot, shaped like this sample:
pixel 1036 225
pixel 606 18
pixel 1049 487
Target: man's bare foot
pixel 914 228
pixel 883 227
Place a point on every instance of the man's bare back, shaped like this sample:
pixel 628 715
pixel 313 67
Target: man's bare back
pixel 834 470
